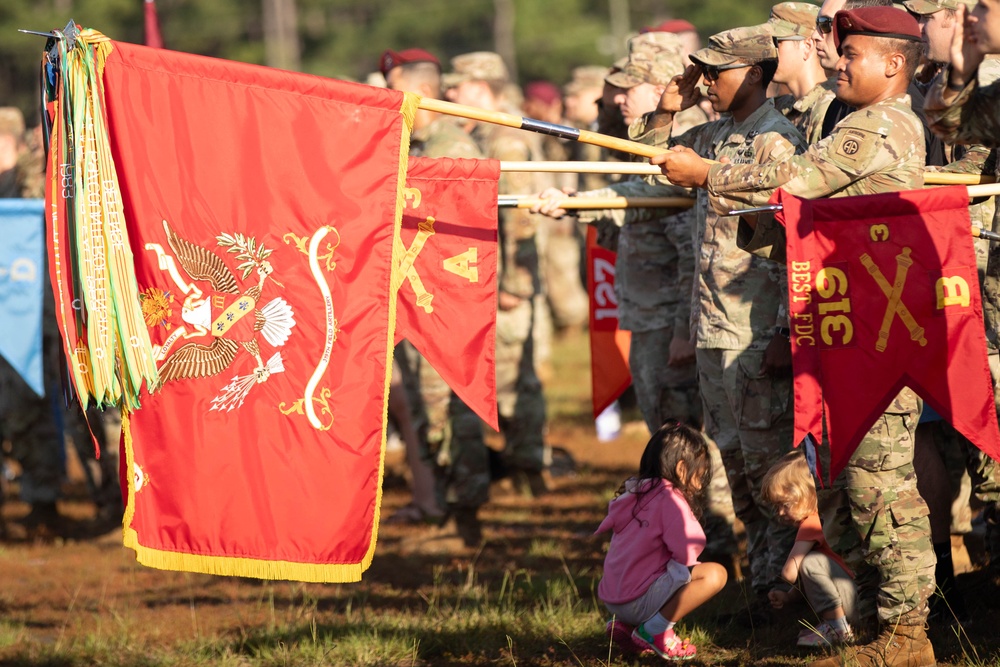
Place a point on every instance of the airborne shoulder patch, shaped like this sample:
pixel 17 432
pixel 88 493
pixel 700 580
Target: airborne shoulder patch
pixel 853 147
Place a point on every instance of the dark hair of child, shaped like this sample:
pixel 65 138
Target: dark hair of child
pixel 672 444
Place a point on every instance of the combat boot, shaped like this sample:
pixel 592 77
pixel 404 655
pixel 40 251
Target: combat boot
pixel 896 646
pixel 468 526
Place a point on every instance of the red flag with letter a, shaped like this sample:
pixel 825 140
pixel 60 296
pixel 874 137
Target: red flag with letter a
pixel 262 209
pixel 447 304
pixel 884 293
pixel 609 345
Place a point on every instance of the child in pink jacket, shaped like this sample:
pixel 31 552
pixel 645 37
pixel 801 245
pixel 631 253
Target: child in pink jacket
pixel 652 577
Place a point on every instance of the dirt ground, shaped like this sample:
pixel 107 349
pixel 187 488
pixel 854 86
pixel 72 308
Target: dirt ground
pixel 86 588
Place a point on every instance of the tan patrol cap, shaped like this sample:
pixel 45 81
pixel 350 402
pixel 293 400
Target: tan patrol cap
pixel 793 20
pixel 725 48
pixel 926 7
pixel 475 66
pixel 653 57
pixel 588 76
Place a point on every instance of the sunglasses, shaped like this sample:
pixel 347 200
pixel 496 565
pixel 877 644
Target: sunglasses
pixel 824 24
pixel 779 40
pixel 711 72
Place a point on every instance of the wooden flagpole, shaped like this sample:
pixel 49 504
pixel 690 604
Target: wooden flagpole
pixel 561 131
pixel 643 169
pixel 614 143
pixel 581 203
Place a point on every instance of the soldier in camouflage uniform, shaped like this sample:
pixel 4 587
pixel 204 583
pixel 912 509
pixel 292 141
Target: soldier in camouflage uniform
pixel 654 273
pixel 449 433
pixel 879 148
pixel 949 467
pixel 478 80
pixel 580 97
pixel 742 341
pixel 792 24
pixel 961 107
pixel 564 294
pixel 30 422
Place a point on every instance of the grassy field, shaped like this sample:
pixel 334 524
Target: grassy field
pixel 527 597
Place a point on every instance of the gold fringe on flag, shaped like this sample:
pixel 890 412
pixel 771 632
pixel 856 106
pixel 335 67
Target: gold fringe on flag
pixel 115 357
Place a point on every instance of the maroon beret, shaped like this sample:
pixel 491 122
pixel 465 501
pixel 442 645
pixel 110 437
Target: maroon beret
pixel 543 91
pixel 392 59
pixel 671 25
pixel 876 22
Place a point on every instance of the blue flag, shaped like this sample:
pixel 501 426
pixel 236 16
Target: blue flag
pixel 22 272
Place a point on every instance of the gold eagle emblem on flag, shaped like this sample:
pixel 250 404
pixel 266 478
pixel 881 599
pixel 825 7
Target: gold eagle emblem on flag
pixel 232 317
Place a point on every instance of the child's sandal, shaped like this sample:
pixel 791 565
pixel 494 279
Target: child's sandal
pixel 667 644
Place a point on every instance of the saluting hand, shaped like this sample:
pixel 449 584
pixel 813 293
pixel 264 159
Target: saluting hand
pixel 682 91
pixel 966 54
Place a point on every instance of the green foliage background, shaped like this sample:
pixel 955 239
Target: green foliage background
pixel 343 38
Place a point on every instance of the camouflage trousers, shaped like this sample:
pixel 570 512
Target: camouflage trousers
pixel 874 517
pixel 104 427
pixel 520 402
pixel 33 424
pixel 749 415
pixel 567 298
pixel 671 392
pixel 970 472
pixel 450 434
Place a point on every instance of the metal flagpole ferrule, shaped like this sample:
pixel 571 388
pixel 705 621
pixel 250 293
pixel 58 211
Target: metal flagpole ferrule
pixel 759 209
pixel 542 127
pixel 992 237
pixel 508 201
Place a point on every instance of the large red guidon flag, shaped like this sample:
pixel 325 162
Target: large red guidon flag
pixel 447 304
pixel 609 345
pixel 884 293
pixel 262 207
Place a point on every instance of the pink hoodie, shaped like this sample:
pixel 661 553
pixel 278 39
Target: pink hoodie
pixel 662 529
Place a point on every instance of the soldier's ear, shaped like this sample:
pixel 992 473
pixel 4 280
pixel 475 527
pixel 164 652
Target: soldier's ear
pixel 808 48
pixel 895 64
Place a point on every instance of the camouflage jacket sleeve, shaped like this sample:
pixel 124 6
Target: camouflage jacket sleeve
pixel 656 137
pixel 767 240
pixel 973 116
pixel 697 138
pixel 859 147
